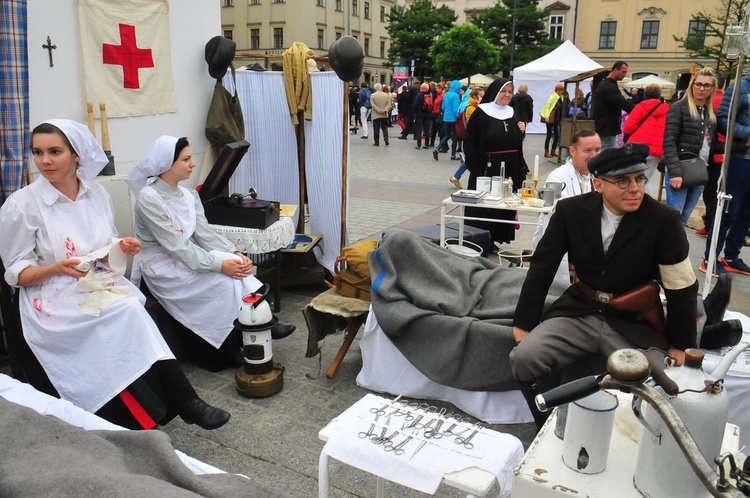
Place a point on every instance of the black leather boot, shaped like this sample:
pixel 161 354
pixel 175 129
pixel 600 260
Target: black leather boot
pixel 280 330
pixel 196 411
pixel 717 301
pixel 721 335
pixel 530 390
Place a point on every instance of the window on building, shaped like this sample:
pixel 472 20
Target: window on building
pixel 607 32
pixel 278 1
pixel 367 10
pixel 339 34
pixel 367 46
pixel 697 31
pixel 320 38
pixel 254 2
pixel 319 3
pixel 228 3
pixel 650 35
pixel 255 38
pixel 355 8
pixel 382 49
pixel 382 13
pixel 278 37
pixel 228 34
pixel 556 26
pixel 338 6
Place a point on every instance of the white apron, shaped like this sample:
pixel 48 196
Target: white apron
pixel 88 359
pixel 206 303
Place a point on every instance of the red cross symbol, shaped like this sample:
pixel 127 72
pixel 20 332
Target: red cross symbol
pixel 128 55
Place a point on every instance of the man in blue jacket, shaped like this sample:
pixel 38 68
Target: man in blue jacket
pixel 451 102
pixel 735 221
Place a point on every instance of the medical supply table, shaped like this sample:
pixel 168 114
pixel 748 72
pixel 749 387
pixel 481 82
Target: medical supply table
pixel 405 444
pixel 448 207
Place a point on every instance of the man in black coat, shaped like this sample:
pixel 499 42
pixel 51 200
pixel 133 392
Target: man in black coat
pixel 607 104
pixel 411 101
pixel 618 238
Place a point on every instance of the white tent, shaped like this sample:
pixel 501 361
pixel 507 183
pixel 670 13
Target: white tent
pixel 648 80
pixel 478 79
pixel 542 74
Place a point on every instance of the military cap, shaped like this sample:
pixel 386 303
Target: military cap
pixel 618 161
pixel 346 58
pixel 219 55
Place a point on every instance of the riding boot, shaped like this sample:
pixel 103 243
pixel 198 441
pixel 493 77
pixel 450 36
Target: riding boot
pixel 530 390
pixel 717 300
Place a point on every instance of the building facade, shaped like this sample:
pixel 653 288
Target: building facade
pixel 560 23
pixel 266 28
pixel 641 32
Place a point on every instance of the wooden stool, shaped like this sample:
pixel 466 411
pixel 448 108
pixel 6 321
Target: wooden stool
pixel 331 312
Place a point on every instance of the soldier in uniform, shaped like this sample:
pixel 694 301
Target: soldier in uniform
pixel 620 241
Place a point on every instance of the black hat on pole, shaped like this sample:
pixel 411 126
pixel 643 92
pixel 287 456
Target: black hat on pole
pixel 346 58
pixel 219 55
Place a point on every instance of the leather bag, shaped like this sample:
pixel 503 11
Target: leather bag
pixel 694 171
pixel 348 283
pixel 225 123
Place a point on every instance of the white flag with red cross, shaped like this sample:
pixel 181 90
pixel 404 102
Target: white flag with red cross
pixel 127 62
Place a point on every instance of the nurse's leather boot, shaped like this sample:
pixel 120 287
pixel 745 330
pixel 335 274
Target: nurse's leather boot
pixel 196 411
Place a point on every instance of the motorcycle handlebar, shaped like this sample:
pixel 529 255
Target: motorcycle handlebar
pixel 566 393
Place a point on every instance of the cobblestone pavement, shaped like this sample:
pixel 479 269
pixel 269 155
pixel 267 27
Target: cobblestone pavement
pixel 274 439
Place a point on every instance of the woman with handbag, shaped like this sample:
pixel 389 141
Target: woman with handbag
pixel 551 114
pixel 687 137
pixel 646 124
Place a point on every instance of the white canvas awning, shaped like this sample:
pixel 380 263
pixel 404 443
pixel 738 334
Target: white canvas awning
pixel 542 74
pixel 648 80
pixel 478 79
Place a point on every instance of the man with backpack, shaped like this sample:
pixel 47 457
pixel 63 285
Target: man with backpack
pixel 365 108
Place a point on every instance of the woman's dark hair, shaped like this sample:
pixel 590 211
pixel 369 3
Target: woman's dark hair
pixel 181 144
pixel 50 129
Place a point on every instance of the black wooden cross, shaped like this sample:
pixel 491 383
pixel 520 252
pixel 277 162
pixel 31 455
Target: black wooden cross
pixel 49 48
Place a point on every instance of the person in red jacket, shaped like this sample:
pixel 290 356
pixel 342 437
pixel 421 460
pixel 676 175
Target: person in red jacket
pixel 646 125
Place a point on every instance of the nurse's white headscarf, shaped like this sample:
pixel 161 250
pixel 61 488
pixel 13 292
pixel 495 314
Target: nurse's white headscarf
pixel 91 156
pixel 157 159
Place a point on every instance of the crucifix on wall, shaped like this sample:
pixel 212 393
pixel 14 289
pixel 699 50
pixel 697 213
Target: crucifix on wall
pixel 49 47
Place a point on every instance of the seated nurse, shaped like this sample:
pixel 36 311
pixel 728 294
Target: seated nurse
pixel 97 345
pixel 197 275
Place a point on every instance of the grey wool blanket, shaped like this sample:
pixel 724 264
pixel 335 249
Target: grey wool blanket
pixel 44 456
pixel 450 316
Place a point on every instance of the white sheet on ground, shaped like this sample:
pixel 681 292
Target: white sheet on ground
pixel 25 395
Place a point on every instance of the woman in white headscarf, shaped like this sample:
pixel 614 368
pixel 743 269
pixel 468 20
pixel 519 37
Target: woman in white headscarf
pixel 197 275
pixel 494 136
pixel 96 343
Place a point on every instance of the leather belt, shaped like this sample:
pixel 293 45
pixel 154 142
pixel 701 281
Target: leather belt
pixel 595 295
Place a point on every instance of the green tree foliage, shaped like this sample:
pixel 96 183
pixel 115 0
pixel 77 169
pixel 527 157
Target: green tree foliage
pixel 413 29
pixel 463 51
pixel 531 39
pixel 707 42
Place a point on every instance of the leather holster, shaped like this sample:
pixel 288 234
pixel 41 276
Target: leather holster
pixel 643 301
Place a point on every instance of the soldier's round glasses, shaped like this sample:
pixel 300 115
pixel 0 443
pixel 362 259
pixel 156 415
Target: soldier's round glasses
pixel 624 182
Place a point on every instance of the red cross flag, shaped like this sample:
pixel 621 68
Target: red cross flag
pixel 126 57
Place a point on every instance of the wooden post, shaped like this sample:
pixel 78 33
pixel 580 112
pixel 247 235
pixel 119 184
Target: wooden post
pixel 90 116
pixel 302 177
pixel 344 165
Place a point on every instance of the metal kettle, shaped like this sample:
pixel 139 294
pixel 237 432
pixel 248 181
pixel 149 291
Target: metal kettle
pixel 255 310
pixel 702 404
